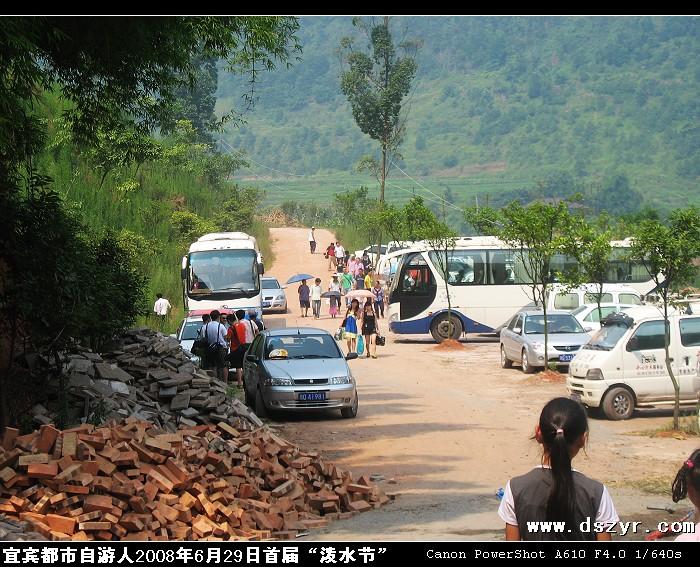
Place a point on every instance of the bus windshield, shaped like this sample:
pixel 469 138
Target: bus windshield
pixel 234 272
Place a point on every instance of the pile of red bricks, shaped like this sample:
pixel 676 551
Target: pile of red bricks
pixel 132 481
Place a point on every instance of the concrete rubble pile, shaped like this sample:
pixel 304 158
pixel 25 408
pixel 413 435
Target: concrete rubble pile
pixel 134 480
pixel 147 376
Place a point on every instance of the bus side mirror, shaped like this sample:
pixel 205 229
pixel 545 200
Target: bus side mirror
pixel 632 344
pixel 183 268
pixel 261 268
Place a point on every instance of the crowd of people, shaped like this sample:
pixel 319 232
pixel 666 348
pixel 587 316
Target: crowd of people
pixel 227 337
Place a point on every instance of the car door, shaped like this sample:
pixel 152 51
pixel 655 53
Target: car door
pixel 643 362
pixel 513 338
pixel 688 356
pixel 252 365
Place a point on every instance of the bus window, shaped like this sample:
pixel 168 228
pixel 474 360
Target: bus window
pixel 506 267
pixel 630 299
pixel 464 267
pixel 566 301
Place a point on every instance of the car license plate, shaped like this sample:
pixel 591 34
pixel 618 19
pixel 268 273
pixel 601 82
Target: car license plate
pixel 312 396
pixel 565 357
pixel 576 397
pixel 266 303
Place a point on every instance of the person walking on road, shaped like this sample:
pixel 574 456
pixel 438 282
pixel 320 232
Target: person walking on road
pixel 161 308
pixel 360 278
pixel 304 303
pixel 217 347
pixel 334 299
pixel 378 292
pixel 312 240
pixel 554 491
pixel 350 325
pixel 236 352
pixel 346 282
pixel 370 328
pixel 330 254
pixel 339 256
pixel 316 292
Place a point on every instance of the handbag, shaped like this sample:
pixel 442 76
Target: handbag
pixel 360 345
pixel 381 340
pixel 199 346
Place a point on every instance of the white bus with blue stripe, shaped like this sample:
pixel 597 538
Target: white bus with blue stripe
pixel 488 283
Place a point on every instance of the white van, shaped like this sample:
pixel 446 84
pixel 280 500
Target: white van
pixel 570 299
pixel 623 366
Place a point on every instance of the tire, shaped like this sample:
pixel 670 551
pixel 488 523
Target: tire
pixel 618 404
pixel 349 413
pixel 505 361
pixel 260 409
pixel 527 367
pixel 441 331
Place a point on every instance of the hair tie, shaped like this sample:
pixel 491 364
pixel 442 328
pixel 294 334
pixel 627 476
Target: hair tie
pixel 560 431
pixel 690 464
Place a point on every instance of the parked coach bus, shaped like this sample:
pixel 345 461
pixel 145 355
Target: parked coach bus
pixel 222 270
pixel 488 284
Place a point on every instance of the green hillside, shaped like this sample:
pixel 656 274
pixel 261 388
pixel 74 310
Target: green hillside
pixel 499 104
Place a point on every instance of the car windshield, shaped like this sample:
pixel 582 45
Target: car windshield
pixel 607 337
pixel 270 284
pixel 189 333
pixel 556 324
pixel 579 310
pixel 303 346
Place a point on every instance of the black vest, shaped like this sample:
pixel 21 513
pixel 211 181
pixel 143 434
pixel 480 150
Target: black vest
pixel 530 495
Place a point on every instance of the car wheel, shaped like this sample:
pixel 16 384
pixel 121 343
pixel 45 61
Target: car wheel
pixel 442 329
pixel 527 367
pixel 260 409
pixel 505 361
pixel 350 412
pixel 618 404
pixel 249 400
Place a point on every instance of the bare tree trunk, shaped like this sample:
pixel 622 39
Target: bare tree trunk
pixel 546 335
pixel 669 368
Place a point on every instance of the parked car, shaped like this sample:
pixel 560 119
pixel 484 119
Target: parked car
pixel 522 341
pixel 298 369
pixel 589 316
pixel 274 297
pixel 623 366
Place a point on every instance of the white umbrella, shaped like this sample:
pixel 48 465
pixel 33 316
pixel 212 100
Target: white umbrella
pixel 360 293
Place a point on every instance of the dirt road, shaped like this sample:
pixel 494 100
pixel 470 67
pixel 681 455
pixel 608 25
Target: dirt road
pixel 450 428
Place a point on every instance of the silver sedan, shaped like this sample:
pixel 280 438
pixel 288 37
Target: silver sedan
pixel 522 340
pixel 298 369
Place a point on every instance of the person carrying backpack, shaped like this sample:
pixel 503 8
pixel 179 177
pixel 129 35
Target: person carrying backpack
pixel 217 349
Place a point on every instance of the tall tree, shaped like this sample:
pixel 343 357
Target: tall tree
pixel 667 252
pixel 376 84
pixel 537 234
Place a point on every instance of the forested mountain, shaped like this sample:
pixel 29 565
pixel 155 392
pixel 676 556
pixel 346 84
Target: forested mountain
pixel 499 105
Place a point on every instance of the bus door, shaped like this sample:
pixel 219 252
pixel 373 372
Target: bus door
pixel 416 287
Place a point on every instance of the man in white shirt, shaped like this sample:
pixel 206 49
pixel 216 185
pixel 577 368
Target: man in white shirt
pixel 316 292
pixel 161 308
pixel 339 256
pixel 312 240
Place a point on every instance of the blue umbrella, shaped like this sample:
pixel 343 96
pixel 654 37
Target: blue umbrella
pixel 299 277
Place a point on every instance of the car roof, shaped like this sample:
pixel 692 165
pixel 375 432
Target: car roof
pixel 269 278
pixel 530 312
pixel 291 331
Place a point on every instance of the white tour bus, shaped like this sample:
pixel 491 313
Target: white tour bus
pixel 488 284
pixel 222 270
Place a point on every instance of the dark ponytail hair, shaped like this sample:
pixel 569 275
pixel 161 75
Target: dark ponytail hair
pixel 688 474
pixel 562 422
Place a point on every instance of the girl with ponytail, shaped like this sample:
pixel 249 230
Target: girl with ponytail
pixel 687 484
pixel 554 491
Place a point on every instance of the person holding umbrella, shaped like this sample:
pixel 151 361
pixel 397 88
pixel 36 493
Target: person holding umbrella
pixel 334 296
pixel 304 298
